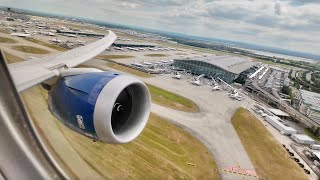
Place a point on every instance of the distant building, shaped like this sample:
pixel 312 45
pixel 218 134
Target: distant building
pixel 309 104
pixel 279 113
pixel 302 139
pixel 280 125
pixel 228 68
pixel 122 44
pixel 80 33
pixel 286 81
pixel 20 34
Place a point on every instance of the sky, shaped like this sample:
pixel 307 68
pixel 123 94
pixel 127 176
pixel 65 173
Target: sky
pixel 288 24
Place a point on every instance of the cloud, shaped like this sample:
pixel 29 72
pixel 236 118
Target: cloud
pixel 149 3
pixel 302 2
pixel 277 8
pixel 280 23
pixel 129 5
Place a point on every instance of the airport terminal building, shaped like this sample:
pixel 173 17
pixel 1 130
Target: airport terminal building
pixel 228 68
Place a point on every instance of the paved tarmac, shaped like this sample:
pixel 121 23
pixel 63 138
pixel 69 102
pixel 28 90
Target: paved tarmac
pixel 212 125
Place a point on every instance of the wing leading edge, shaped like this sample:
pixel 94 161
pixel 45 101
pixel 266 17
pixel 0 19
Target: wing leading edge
pixel 29 73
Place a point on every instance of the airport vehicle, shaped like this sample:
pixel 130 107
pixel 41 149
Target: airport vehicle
pixel 81 42
pixel 11 28
pixel 20 34
pixel 196 80
pixel 153 49
pixel 235 95
pixel 55 40
pixel 215 85
pixel 133 49
pixel 104 106
pixel 158 63
pixel 69 35
pixel 147 63
pixel 118 48
pixel 26 31
pixel 176 75
pixel 137 64
pixel 214 82
pixel 216 88
pixel 47 33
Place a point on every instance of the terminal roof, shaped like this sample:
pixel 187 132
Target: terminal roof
pixel 278 112
pixel 310 98
pixel 232 64
pixel 303 137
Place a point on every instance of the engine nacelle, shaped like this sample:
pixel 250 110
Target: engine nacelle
pixel 104 106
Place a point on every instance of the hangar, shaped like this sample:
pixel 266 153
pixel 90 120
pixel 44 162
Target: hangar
pixel 122 44
pixel 228 68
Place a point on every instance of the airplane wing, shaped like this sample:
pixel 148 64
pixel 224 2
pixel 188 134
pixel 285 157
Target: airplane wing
pixel 29 73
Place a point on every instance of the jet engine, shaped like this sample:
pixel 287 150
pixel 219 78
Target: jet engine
pixel 103 106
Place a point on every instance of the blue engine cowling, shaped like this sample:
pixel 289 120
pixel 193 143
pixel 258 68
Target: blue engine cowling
pixel 104 106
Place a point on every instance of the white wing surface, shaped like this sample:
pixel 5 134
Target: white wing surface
pixel 29 73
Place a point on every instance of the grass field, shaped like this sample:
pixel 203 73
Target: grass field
pixel 7 40
pixel 107 57
pixel 52 46
pixel 309 133
pixel 162 151
pixel 270 160
pixel 129 70
pixel 12 58
pixel 198 49
pixel 156 55
pixel 2 30
pixel 274 63
pixel 171 100
pixel 30 49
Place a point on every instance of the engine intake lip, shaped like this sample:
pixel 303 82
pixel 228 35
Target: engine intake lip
pixel 139 114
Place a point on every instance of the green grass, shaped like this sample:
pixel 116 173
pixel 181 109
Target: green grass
pixel 171 100
pixel 107 57
pixel 12 58
pixel 274 63
pixel 270 160
pixel 129 70
pixel 162 151
pixel 7 40
pixel 310 134
pixel 52 46
pixel 155 55
pixel 198 49
pixel 30 49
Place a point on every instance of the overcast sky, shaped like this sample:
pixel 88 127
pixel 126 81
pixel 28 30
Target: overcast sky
pixel 289 24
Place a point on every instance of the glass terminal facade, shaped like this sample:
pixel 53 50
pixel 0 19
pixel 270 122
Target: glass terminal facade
pixel 200 67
